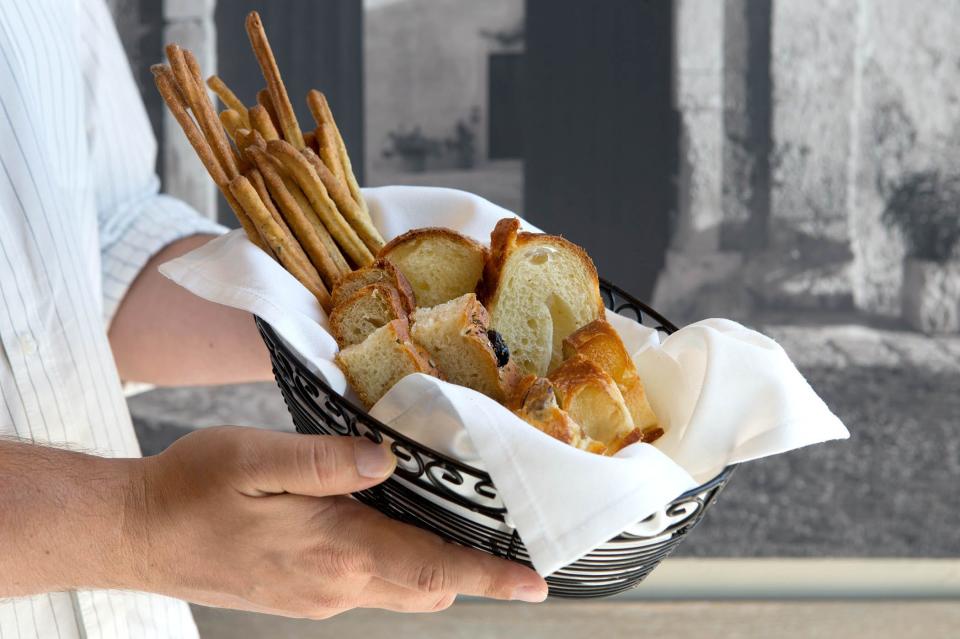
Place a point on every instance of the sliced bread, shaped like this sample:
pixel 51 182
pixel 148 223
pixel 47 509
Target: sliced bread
pixel 456 335
pixel 599 342
pixel 538 289
pixel 537 405
pixel 366 310
pixel 440 263
pixel 381 271
pixel 385 357
pixel 592 399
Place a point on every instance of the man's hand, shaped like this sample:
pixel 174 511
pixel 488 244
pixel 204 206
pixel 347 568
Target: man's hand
pixel 257 520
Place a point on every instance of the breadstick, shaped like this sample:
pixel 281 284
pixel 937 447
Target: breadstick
pixel 310 140
pixel 166 84
pixel 295 218
pixel 282 245
pixel 348 207
pixel 209 113
pixel 263 99
pixel 320 109
pixel 232 122
pixel 196 99
pixel 247 139
pixel 261 122
pixel 271 73
pixel 296 250
pixel 308 180
pixel 229 98
pixel 327 150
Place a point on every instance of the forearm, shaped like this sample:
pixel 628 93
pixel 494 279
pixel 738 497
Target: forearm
pixel 164 335
pixel 69 520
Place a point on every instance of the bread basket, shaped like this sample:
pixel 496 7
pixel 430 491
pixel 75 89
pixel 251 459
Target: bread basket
pixel 460 503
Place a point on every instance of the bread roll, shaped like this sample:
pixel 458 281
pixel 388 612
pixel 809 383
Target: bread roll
pixel 455 334
pixel 365 311
pixel 592 399
pixel 385 357
pixel 537 405
pixel 538 289
pixel 599 342
pixel 440 264
pixel 381 271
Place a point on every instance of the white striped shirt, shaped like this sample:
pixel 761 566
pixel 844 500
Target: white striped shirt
pixel 80 215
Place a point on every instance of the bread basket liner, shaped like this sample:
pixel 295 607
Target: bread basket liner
pixel 725 394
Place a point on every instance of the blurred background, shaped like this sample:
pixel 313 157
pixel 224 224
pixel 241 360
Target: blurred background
pixel 791 165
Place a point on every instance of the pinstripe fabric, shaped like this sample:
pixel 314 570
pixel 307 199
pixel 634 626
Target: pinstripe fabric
pixel 80 215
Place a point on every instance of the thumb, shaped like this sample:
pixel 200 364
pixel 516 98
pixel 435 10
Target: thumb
pixel 315 465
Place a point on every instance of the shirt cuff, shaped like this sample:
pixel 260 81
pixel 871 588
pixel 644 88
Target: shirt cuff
pixel 161 221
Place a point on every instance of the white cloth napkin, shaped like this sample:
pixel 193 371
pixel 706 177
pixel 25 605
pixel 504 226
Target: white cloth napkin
pixel 724 393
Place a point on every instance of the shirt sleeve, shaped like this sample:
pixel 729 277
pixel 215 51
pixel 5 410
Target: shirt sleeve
pixel 135 221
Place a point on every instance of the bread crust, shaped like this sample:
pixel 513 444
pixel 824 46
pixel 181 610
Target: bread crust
pixel 507 237
pixel 599 342
pixel 432 231
pixel 577 376
pixel 386 292
pixel 381 271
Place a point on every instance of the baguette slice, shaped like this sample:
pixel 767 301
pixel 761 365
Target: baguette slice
pixel 592 399
pixel 599 342
pixel 455 335
pixel 440 263
pixel 387 355
pixel 381 271
pixel 537 405
pixel 538 289
pixel 365 311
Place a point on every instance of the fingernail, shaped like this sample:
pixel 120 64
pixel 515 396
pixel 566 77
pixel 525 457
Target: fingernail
pixel 530 594
pixel 373 460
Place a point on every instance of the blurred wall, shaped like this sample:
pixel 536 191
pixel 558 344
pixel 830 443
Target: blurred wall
pixel 426 66
pixel 858 96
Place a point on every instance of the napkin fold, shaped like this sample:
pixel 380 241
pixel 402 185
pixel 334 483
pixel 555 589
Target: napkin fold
pixel 724 393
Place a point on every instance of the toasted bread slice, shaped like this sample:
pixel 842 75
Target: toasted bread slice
pixel 592 399
pixel 455 334
pixel 381 271
pixel 538 289
pixel 538 406
pixel 365 311
pixel 440 263
pixel 598 341
pixel 385 357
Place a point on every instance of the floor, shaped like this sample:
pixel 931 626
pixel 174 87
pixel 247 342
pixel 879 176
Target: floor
pixel 568 620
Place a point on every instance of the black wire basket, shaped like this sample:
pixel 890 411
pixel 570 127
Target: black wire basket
pixel 460 503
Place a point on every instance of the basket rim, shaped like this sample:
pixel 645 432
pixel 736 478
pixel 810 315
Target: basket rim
pixel 664 324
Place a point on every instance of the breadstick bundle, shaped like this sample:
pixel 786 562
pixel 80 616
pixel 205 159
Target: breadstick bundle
pixel 294 192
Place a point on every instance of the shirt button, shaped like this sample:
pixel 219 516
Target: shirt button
pixel 27 344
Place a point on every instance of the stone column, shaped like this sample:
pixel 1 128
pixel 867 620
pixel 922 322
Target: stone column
pixel 812 96
pixel 190 24
pixel 694 259
pixel 908 122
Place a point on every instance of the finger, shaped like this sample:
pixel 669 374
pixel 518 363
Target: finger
pixel 417 560
pixel 312 465
pixel 387 596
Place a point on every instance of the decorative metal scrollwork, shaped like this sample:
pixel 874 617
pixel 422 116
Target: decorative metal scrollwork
pixel 460 502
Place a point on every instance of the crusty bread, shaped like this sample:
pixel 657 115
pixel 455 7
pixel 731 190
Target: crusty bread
pixel 537 405
pixel 599 342
pixel 440 263
pixel 592 399
pixel 385 357
pixel 538 289
pixel 381 271
pixel 455 334
pixel 365 311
